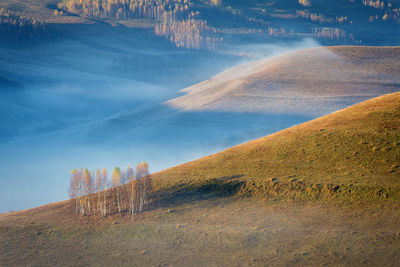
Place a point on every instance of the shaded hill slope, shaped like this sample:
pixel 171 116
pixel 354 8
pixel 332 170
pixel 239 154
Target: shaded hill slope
pixel 357 149
pixel 309 82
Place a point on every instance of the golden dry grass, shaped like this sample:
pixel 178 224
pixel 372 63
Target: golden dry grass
pixel 357 149
pixel 212 232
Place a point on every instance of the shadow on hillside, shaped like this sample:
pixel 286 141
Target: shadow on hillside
pixel 198 191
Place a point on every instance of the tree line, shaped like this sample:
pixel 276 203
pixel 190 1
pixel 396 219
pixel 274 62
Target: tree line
pixel 188 33
pixel 128 190
pixel 320 18
pixel 15 30
pixel 332 33
pixel 174 19
pixel 128 9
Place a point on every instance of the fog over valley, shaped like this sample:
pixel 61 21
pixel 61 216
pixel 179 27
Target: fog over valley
pixel 104 84
pixel 96 98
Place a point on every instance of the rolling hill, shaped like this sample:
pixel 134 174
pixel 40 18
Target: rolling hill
pixel 309 82
pixel 323 192
pixel 255 99
pixel 358 147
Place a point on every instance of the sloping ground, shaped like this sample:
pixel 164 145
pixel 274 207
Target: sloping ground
pixel 216 232
pixel 194 221
pixel 309 82
pixel 356 149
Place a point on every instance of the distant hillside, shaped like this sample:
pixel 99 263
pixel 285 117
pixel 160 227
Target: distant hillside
pixel 308 82
pixel 354 152
pixel 208 23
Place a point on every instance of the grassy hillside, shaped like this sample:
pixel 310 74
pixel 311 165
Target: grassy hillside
pixel 356 149
pixel 311 81
pixel 200 217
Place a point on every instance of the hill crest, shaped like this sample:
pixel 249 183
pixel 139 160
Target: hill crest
pixel 312 81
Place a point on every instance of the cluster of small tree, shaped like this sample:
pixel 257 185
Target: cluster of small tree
pixel 83 185
pixel 126 9
pixel 386 16
pixel 127 191
pixel 320 18
pixel 217 2
pixel 58 13
pixel 276 31
pixel 331 33
pixel 306 3
pixel 376 4
pixel 15 29
pixel 189 33
pixel 389 11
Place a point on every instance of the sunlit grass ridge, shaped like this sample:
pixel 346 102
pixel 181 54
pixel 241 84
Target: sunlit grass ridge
pixel 353 153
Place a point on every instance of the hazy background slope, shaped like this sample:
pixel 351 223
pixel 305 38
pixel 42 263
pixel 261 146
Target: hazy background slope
pixel 130 125
pixel 331 22
pixel 308 82
pixel 95 71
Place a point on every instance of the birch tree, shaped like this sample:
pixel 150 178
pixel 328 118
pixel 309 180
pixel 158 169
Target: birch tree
pixel 77 190
pixel 98 189
pixel 88 187
pixel 73 189
pixel 144 183
pixel 105 178
pixel 123 191
pixel 132 191
pixel 116 181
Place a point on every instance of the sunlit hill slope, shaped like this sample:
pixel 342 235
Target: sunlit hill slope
pixel 353 153
pixel 309 82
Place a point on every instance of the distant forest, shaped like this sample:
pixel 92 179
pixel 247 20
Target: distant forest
pixel 187 23
pixel 174 19
pixel 204 24
pixel 15 30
